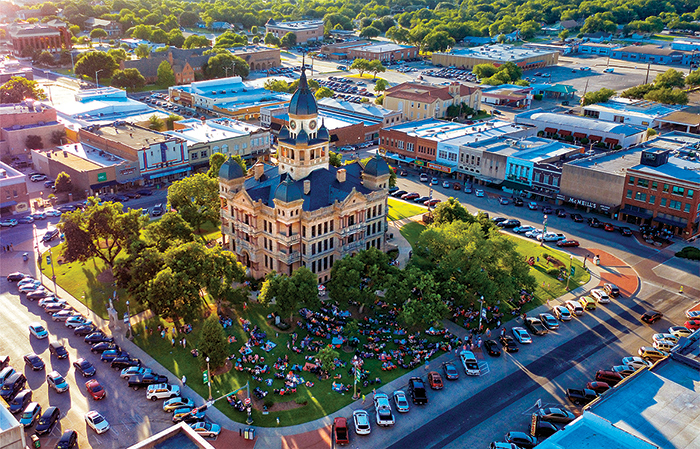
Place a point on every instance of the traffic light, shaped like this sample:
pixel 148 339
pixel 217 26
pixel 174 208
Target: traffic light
pixel 573 271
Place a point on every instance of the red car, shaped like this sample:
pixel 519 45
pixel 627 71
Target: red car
pixel 95 389
pixel 432 202
pixel 567 243
pixel 693 325
pixel 435 380
pixel 410 196
pixel 598 387
pixel 457 186
pixel 609 227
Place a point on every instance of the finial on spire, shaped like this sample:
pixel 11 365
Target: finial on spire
pixel 303 62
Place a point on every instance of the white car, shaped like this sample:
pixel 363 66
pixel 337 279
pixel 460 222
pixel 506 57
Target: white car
pixel 533 234
pixel 206 429
pixel 382 409
pixel 96 422
pixel 635 362
pixel 30 287
pixel 133 371
pixel 53 213
pixel 43 302
pixel 162 391
pixel 600 295
pixel 38 331
pixel 692 314
pixel 77 321
pixel 401 401
pixel 668 337
pixel 469 363
pixel 361 420
pixel 680 331
pixel 26 280
pixel 523 229
pixel 551 237
pixel 479 193
pixel 574 307
pixel 521 335
pixel 562 313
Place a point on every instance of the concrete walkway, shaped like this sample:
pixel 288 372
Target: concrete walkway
pixel 400 241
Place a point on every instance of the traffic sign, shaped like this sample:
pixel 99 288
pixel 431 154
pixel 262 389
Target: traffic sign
pixel 205 376
pixel 573 271
pixel 246 401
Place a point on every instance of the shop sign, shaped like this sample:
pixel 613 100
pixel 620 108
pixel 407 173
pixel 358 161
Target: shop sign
pixel 439 167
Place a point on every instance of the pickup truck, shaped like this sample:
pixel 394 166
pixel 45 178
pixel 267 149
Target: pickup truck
pixel 341 431
pixel 471 367
pixel 383 410
pixel 581 396
pixel 536 326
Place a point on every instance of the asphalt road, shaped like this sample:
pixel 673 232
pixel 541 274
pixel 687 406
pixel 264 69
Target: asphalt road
pixel 131 416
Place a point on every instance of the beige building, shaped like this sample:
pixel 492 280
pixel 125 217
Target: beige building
pixel 525 58
pixel 303 211
pixel 304 30
pixel 420 101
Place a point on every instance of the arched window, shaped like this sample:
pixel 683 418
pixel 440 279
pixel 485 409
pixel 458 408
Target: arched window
pixel 224 148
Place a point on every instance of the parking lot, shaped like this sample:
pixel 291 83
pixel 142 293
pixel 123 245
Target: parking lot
pixel 129 414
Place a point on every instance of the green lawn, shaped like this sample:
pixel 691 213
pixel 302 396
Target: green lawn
pixel 548 286
pixel 81 281
pixel 411 231
pixel 319 400
pixel 398 210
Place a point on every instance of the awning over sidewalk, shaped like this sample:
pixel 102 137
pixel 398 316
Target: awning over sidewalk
pixel 636 213
pixel 515 185
pixel 579 135
pixel 550 130
pixel 667 221
pixel 564 132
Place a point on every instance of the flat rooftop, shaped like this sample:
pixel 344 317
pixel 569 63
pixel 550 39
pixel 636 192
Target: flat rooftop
pixel 660 405
pixel 456 133
pixel 585 123
pixel 85 157
pixel 297 26
pixel 500 53
pixel 592 432
pixel 676 167
pixel 212 130
pixel 380 48
pixel 616 162
pixel 20 108
pixel 131 136
pixel 535 149
pixel 635 108
pixel 7 420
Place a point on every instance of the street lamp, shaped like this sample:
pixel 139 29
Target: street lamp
pixel 38 254
pixel 53 273
pixel 209 378
pixel 128 319
pixel 481 312
pixel 568 278
pixel 96 81
pixel 544 231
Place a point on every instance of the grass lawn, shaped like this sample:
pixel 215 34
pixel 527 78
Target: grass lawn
pixel 318 400
pixel 398 210
pixel 85 282
pixel 411 231
pixel 548 286
pixel 662 37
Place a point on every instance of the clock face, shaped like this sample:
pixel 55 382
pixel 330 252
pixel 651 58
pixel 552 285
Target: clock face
pixel 293 124
pixel 312 124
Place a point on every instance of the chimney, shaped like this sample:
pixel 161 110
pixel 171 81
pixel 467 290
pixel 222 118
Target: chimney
pixel 259 169
pixel 307 187
pixel 340 176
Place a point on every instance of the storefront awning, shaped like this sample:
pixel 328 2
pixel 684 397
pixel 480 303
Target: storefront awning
pixel 611 141
pixel 102 185
pixel 595 138
pixel 579 135
pixel 399 158
pixel 126 181
pixel 550 130
pixel 564 132
pixel 515 185
pixel 636 213
pixel 8 204
pixel 168 173
pixel 665 220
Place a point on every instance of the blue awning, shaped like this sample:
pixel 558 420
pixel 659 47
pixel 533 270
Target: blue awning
pixel 126 181
pixel 399 158
pixel 168 173
pixel 667 221
pixel 636 212
pixel 8 204
pixel 101 185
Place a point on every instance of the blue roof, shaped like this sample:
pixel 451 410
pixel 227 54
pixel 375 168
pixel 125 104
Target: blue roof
pixel 676 167
pixel 325 188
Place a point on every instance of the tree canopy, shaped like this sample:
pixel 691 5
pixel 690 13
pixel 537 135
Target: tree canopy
pixel 597 96
pixel 196 198
pixel 96 64
pixel 129 79
pixel 19 88
pixel 166 75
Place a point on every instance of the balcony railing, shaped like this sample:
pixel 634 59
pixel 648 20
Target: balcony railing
pixel 288 240
pixel 351 229
pixel 289 259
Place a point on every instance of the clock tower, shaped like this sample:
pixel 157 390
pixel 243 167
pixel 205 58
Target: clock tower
pixel 303 146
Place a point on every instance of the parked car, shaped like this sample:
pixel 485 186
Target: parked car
pixel 435 380
pixel 77 321
pixel 623 370
pixel 162 391
pixel 693 325
pixel 48 420
pixel 361 420
pixel 521 439
pixel 679 331
pixel 34 361
pixel 96 422
pixel 38 331
pixel 84 367
pixel 509 344
pixel 598 386
pixel 549 321
pixel 567 243
pixel 119 363
pixel 600 296
pixel 17 276
pixel 580 396
pixel 82 331
pixel 469 363
pixel 423 177
pixel 30 414
pixel 416 389
pixel 211 430
pixel 400 401
pixel 578 218
pixel 479 193
pixel 587 302
pixel 503 200
pixel 536 326
pixel 561 213
pixel 57 382
pixel 532 205
pixel 95 390
pixel 609 377
pixel 20 401
pixel 173 404
pixel 188 415
pixel 63 315
pixel 523 229
pixel 521 335
pixel 510 223
pixel 134 370
pixel 574 307
pixel 98 337
pixel 99 348
pixel 555 414
pixel 144 380
pixel 611 289
pixel 58 350
pixel 450 371
pixel 13 384
pixel 492 348
pixel 562 313
pixel 157 210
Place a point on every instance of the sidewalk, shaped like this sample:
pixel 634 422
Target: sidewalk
pixel 400 241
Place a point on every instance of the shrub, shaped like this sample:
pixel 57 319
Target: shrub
pixel 585 141
pixel 689 252
pixel 554 272
pixel 539 97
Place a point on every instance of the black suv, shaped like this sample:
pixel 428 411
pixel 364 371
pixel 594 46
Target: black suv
pixel 145 380
pixel 13 385
pixel 124 362
pixel 48 420
pixel 416 388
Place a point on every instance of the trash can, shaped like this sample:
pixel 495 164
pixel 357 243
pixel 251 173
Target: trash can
pixel 35 441
pixel 251 433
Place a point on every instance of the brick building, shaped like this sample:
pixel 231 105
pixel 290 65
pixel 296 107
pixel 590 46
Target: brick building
pixel 14 198
pixel 259 57
pixel 52 36
pixel 17 121
pixel 186 64
pixel 302 212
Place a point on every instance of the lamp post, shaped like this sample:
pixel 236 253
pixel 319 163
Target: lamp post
pixel 481 312
pixel 96 81
pixel 38 254
pixel 544 231
pixel 53 274
pixel 128 319
pixel 209 378
pixel 568 278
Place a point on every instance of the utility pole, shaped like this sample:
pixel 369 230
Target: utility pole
pixel 646 81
